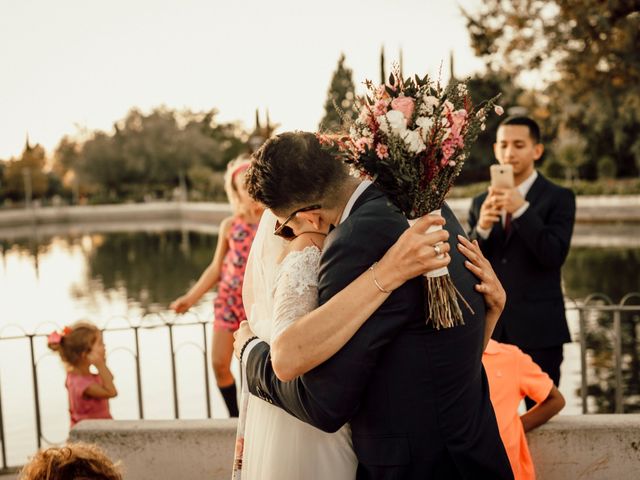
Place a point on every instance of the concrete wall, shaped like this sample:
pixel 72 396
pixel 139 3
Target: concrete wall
pixel 165 449
pixel 132 212
pixel 584 447
pixel 603 209
pixel 587 447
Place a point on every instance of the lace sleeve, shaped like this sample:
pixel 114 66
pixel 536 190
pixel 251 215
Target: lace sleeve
pixel 296 290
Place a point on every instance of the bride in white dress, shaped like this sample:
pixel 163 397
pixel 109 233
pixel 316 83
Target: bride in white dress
pixel 281 298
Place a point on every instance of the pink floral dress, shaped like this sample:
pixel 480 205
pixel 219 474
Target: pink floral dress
pixel 227 306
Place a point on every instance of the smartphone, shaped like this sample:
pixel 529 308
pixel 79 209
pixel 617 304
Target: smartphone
pixel 501 176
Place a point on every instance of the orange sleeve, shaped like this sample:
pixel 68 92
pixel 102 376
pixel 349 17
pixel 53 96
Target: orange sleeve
pixel 534 383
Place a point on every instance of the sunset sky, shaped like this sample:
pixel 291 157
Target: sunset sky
pixel 73 64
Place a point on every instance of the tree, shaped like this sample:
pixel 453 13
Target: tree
pixel 340 104
pixel 150 154
pixel 569 149
pixel 587 52
pixel 481 87
pixel 25 176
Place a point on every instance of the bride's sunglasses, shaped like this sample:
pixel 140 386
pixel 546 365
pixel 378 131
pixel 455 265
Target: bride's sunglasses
pixel 282 230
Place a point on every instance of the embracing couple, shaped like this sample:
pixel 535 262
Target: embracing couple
pixel 347 379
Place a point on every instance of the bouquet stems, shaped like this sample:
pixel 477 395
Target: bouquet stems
pixel 443 310
pixel 441 295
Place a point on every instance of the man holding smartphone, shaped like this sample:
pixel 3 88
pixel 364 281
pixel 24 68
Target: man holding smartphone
pixel 525 232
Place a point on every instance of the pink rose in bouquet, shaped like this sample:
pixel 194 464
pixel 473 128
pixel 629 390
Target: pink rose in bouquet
pixel 406 105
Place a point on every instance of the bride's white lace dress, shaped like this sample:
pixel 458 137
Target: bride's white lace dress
pixel 278 446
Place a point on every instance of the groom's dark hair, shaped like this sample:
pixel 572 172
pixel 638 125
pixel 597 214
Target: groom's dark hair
pixel 292 170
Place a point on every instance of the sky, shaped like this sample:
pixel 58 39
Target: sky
pixel 69 65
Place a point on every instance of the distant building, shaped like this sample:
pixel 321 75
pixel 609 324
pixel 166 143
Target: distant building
pixel 260 133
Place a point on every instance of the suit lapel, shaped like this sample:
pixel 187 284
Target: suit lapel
pixel 370 193
pixel 533 195
pixel 536 189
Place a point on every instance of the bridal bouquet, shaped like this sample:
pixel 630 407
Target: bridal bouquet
pixel 411 137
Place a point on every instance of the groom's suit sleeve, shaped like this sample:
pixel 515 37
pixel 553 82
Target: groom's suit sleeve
pixel 329 395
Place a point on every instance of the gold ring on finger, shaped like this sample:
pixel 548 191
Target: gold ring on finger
pixel 438 250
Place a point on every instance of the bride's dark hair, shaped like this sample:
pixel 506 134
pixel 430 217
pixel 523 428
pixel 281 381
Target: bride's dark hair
pixel 293 170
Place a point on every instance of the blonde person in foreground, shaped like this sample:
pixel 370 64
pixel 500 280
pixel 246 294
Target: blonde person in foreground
pixel 281 297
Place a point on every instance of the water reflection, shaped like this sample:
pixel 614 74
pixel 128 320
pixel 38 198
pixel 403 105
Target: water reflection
pixel 153 268
pixel 612 271
pixel 148 268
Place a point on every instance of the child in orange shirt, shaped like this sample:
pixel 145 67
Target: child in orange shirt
pixel 513 376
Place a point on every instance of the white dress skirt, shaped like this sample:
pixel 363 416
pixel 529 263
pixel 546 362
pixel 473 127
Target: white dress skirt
pixel 278 446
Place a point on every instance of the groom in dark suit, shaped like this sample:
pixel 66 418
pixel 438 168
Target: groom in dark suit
pixel 417 398
pixel 525 233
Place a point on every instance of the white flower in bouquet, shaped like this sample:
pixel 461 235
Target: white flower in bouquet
pixel 397 122
pixel 414 141
pixel 429 103
pixel 425 124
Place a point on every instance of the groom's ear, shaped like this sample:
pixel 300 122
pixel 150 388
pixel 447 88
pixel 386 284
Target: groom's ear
pixel 313 218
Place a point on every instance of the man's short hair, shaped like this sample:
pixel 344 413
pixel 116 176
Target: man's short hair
pixel 293 170
pixel 534 128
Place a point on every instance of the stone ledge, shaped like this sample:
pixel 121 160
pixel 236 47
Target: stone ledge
pixel 586 447
pixel 593 447
pixel 604 209
pixel 164 449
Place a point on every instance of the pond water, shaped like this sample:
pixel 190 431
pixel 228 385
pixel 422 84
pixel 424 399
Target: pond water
pixel 51 278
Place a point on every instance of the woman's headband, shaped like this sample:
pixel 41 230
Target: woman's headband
pixel 240 168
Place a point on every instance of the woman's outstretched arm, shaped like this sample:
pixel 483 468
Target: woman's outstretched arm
pixel 318 335
pixel 210 276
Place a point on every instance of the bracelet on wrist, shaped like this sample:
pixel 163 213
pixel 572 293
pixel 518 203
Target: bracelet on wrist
pixel 249 340
pixel 375 280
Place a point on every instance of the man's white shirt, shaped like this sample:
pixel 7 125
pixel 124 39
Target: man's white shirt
pixel 523 188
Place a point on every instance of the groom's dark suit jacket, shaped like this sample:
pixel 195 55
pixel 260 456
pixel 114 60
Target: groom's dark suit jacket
pixel 417 398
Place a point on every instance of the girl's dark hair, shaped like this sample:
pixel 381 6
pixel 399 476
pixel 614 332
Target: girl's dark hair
pixel 293 170
pixel 76 342
pixel 73 461
pixel 534 128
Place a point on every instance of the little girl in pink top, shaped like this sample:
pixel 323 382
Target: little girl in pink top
pixel 81 346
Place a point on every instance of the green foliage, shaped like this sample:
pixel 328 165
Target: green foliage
pixel 591 48
pixel 630 186
pixel 341 94
pixel 552 168
pixel 147 154
pixel 569 150
pixel 606 167
pixel 206 183
pixel 482 86
pixel 26 172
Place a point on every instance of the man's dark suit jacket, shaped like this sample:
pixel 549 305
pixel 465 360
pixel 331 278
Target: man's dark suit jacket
pixel 528 263
pixel 417 398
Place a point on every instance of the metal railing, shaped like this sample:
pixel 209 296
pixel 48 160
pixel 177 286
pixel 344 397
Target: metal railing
pixel 598 304
pixel 595 304
pixel 135 328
